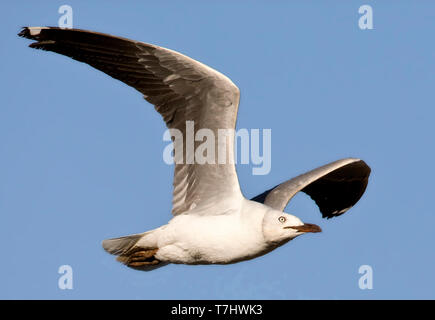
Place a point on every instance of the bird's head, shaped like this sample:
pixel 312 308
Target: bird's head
pixel 280 227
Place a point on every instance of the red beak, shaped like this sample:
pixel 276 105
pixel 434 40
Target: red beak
pixel 307 227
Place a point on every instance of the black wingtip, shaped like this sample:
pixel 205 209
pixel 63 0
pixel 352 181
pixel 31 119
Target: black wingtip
pixel 34 33
pixel 24 33
pixel 38 34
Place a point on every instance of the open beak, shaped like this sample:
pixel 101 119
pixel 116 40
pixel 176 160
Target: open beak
pixel 307 227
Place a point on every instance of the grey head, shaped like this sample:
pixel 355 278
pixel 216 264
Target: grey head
pixel 279 227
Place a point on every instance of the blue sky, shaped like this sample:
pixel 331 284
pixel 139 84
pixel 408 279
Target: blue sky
pixel 81 153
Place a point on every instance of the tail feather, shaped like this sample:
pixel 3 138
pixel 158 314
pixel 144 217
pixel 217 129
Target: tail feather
pixel 132 255
pixel 122 245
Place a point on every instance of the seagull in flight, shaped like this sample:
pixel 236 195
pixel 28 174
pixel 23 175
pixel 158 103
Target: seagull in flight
pixel 213 223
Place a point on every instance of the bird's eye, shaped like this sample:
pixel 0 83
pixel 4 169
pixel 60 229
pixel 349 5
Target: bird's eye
pixel 282 219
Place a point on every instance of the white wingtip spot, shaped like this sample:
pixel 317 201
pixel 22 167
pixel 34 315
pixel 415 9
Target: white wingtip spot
pixel 34 31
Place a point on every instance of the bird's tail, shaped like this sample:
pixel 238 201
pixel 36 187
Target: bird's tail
pixel 119 246
pixel 132 255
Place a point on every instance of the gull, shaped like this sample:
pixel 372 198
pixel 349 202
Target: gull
pixel 213 223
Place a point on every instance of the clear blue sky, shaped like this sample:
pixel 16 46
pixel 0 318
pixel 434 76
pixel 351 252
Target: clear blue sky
pixel 81 153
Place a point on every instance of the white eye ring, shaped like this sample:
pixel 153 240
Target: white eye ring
pixel 282 219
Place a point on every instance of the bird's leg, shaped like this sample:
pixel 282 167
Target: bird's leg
pixel 141 258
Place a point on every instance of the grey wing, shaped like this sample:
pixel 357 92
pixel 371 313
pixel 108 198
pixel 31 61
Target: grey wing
pixel 180 88
pixel 335 187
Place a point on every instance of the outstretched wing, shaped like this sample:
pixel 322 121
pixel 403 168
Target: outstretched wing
pixel 335 187
pixel 180 88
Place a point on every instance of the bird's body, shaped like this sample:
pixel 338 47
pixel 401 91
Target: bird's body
pixel 246 231
pixel 218 238
pixel 190 238
pixel 213 222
